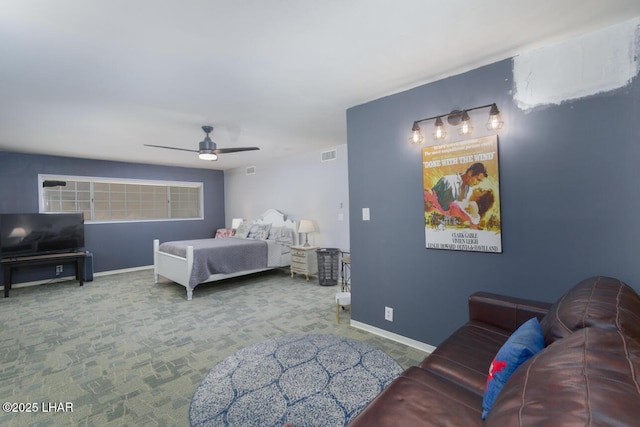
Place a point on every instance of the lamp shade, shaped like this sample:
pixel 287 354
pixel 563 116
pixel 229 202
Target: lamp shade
pixel 18 232
pixel 306 226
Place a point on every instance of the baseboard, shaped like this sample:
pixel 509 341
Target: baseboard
pixel 102 273
pixel 393 337
pixel 124 270
pixel 39 282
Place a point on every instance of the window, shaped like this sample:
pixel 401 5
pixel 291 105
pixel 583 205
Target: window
pixel 109 199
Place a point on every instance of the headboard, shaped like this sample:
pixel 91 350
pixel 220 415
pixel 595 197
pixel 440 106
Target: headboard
pixel 278 219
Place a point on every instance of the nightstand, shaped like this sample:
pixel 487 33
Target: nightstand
pixel 304 260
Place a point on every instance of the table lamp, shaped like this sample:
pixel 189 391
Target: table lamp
pixel 306 226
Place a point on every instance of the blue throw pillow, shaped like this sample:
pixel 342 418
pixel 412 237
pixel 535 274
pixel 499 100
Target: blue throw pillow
pixel 526 341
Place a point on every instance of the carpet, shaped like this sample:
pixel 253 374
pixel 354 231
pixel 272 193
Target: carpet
pixel 306 380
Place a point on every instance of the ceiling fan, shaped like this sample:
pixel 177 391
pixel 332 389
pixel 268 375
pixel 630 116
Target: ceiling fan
pixel 207 149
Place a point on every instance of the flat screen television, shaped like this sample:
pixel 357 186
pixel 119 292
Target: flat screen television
pixel 28 234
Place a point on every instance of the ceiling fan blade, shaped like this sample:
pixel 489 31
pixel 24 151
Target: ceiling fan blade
pixel 233 150
pixel 171 148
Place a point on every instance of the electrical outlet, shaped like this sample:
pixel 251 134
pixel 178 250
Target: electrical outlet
pixel 388 314
pixel 58 269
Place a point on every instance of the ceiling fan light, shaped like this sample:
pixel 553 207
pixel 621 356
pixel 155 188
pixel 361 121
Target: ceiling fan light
pixel 207 149
pixel 208 156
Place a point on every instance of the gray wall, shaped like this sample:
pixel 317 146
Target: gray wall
pixel 569 201
pixel 120 245
pixel 300 186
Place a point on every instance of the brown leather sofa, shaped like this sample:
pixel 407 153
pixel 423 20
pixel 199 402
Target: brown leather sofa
pixel 587 375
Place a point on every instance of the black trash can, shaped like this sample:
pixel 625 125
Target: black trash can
pixel 328 266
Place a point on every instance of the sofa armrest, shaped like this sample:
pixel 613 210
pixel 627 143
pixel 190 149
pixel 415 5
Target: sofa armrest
pixel 504 312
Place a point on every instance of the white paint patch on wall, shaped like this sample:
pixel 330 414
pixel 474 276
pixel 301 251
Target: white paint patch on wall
pixel 597 62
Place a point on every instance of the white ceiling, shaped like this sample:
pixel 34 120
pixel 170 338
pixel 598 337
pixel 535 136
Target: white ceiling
pixel 100 78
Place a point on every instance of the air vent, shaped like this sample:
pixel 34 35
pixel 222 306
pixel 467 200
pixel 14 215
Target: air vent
pixel 325 156
pixel 251 170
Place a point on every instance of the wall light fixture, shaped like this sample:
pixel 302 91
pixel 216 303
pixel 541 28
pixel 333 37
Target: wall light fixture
pixel 455 118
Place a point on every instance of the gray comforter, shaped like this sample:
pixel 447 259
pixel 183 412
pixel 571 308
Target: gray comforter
pixel 219 256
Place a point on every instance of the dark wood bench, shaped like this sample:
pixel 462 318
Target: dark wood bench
pixel 10 264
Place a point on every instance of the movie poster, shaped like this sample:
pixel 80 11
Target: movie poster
pixel 462 196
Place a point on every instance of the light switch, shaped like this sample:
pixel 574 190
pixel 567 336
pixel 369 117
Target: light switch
pixel 365 214
pixel 340 217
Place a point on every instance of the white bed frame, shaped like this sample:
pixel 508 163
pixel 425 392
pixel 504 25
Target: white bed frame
pixel 178 269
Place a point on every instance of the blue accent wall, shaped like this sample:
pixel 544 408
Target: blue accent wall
pixel 569 189
pixel 118 245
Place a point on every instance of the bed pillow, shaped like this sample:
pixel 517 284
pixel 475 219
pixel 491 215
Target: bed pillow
pixel 274 232
pixel 252 231
pixel 285 237
pixel 243 229
pixel 261 232
pixel 223 232
pixel 526 341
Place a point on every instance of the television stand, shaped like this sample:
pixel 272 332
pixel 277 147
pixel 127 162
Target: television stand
pixel 10 264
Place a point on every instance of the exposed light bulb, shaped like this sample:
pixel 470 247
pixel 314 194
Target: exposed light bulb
pixel 416 135
pixel 465 127
pixel 495 121
pixel 440 132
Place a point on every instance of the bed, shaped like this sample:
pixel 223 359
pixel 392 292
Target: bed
pixel 192 262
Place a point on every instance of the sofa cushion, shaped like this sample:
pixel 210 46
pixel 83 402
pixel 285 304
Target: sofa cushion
pixel 504 312
pixel 421 398
pixel 598 301
pixel 526 341
pixel 588 378
pixel 464 357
